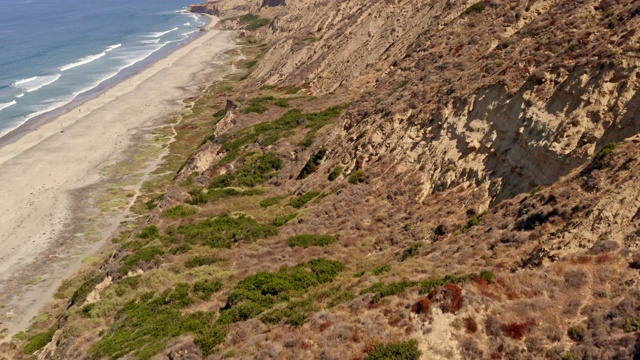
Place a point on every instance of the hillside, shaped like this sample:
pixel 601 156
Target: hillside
pixel 455 179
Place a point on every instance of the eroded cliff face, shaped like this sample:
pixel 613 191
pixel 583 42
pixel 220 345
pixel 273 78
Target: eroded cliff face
pixel 514 96
pixel 471 166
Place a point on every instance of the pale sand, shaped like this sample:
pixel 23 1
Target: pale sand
pixel 42 173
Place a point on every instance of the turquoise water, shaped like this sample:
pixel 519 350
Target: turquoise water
pixel 55 51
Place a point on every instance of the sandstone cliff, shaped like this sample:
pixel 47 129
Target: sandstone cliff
pixel 469 168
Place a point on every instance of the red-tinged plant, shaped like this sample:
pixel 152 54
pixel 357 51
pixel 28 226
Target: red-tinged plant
pixel 515 330
pixel 422 306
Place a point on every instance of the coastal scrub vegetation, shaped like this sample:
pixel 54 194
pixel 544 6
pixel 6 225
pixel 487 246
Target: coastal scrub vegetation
pixel 307 240
pixel 303 199
pixel 407 350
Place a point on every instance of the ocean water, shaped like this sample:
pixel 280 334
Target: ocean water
pixel 55 51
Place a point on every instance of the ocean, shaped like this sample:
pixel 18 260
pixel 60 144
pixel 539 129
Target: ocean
pixel 54 53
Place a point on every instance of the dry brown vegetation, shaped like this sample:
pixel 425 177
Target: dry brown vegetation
pixel 549 210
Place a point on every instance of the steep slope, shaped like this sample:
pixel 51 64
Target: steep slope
pixel 457 179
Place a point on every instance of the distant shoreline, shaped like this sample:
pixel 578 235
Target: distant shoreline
pixel 125 74
pixel 51 180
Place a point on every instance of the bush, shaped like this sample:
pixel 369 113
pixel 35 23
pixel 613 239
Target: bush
pixel 307 240
pixel 258 293
pixel 576 333
pixel 252 173
pixel 253 22
pixel 281 220
pixel 381 290
pixel 271 131
pixel 202 260
pixel 205 288
pixel 258 109
pixel 203 196
pixel 357 177
pixel 413 250
pixel 381 269
pixel 488 276
pixel 179 211
pixel 270 201
pixel 294 314
pixel 282 103
pixel 407 350
pixel 146 255
pixel 149 232
pixel 599 161
pixel 631 325
pixel 301 200
pixel 142 328
pixel 224 230
pixel 515 330
pixel 477 7
pixel 39 341
pixel 312 164
pixel 473 222
pixel 335 172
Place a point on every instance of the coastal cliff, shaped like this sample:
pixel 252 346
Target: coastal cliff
pixel 447 179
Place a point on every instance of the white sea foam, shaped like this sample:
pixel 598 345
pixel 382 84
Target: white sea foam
pixel 153 41
pixel 113 47
pixel 83 61
pixel 36 82
pixel 160 34
pixel 22 81
pixel 6 105
pixel 20 95
pixel 187 24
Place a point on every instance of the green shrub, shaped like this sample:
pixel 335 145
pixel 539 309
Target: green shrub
pixel 335 172
pixel 202 196
pixel 201 260
pixel 599 160
pixel 149 232
pixel 252 172
pixel 258 109
pixel 294 314
pixel 220 113
pixel 407 350
pixel 253 22
pixel 81 293
pixel 271 131
pixel 473 222
pixel 312 165
pixel 147 255
pixel 631 325
pixel 301 200
pixel 260 292
pixel 381 269
pixel 576 333
pixel 357 176
pixel 307 240
pixel 205 288
pixel 224 230
pixel 270 201
pixel 151 204
pixel 284 103
pixel 281 220
pixel 477 7
pixel 180 249
pixel 179 211
pixel 413 250
pixel 142 328
pixel 342 298
pixel 488 276
pixel 381 290
pixel 39 341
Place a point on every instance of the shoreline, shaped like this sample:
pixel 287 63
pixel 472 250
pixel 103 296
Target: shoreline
pixel 52 180
pixel 124 74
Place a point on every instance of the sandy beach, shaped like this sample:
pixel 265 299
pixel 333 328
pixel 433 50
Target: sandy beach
pixel 43 172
